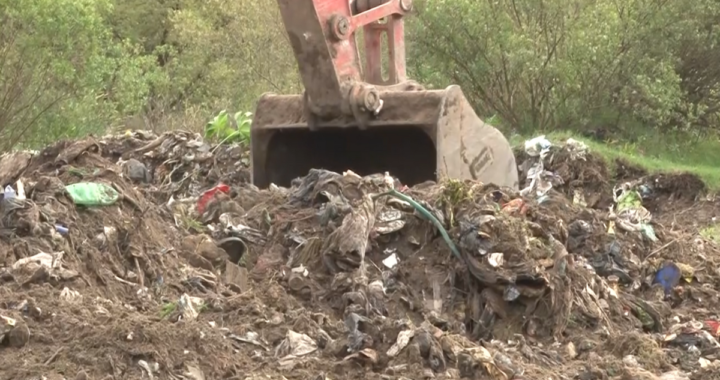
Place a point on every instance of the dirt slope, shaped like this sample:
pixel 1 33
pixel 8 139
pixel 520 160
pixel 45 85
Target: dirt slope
pixel 269 283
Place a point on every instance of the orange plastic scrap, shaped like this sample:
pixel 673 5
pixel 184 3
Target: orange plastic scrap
pixel 515 206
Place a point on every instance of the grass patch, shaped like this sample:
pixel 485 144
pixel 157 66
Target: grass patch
pixel 190 224
pixel 167 309
pixel 711 233
pixel 700 157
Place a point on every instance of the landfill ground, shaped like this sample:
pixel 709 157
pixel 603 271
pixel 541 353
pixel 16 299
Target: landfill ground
pixel 268 284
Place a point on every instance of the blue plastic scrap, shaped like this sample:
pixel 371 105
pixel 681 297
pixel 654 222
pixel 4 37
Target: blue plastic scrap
pixel 668 276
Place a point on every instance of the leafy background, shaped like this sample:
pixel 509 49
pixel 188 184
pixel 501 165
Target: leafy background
pixel 640 75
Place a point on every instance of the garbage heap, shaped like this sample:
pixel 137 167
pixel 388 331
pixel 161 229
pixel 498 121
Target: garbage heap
pixel 139 255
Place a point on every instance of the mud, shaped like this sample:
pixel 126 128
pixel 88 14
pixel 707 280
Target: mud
pixel 535 289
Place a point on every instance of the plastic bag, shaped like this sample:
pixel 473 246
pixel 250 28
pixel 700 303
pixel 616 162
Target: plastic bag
pixel 538 147
pixel 92 194
pixel 209 194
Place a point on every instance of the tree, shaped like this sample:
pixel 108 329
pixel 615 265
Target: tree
pixel 61 73
pixel 565 63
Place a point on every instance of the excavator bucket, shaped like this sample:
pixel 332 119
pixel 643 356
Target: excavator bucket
pixel 417 136
pixel 364 121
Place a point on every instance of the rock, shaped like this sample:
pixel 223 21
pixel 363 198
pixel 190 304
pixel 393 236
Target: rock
pixel 594 357
pixel 631 361
pixel 570 350
pixel 136 171
pixel 271 259
pixel 637 374
pixel 19 335
pixel 586 345
pixel 201 250
pixel 237 276
pixel 12 164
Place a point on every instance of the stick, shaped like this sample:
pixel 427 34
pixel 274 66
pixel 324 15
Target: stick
pixel 141 274
pixel 112 366
pixel 659 249
pixel 53 356
pixel 152 145
pixel 128 198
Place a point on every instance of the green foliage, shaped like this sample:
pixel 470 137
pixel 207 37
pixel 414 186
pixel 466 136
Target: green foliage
pixel 229 129
pixel 213 55
pixel 643 73
pixel 167 309
pixel 583 64
pixel 61 73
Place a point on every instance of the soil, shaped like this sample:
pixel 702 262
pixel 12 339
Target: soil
pixel 149 288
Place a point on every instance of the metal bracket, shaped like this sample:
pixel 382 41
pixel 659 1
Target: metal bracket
pixel 322 35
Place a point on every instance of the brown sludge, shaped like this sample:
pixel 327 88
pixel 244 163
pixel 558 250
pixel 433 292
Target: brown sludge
pixel 261 287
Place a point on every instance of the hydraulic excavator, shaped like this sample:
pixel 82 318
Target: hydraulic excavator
pixel 353 115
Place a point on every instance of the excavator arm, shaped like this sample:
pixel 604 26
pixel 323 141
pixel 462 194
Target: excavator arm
pixel 366 116
pixel 322 36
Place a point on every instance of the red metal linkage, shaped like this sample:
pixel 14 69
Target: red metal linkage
pixel 373 32
pixel 322 35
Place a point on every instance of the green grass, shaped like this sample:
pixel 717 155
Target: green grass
pixel 656 154
pixel 167 309
pixel 711 233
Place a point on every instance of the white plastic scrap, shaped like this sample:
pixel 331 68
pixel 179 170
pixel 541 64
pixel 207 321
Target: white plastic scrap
pixel 149 368
pixel 187 304
pixel 388 180
pixel 704 363
pixel 250 337
pixel 294 346
pixel 579 198
pixel 630 361
pixel 540 179
pixel 108 236
pixel 351 173
pixel 20 190
pixel 496 259
pixel 577 149
pixel 376 287
pixel 402 341
pixel 194 373
pixel 538 147
pixel 8 321
pixel 391 261
pixel 42 259
pixel 674 375
pixel 69 295
pixel 300 344
pixel 631 215
pixel 389 221
pixel 300 270
pixel 247 233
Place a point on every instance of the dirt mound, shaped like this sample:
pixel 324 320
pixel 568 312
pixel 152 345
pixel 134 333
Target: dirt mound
pixel 189 272
pixel 677 199
pixel 584 176
pixel 576 170
pixel 626 171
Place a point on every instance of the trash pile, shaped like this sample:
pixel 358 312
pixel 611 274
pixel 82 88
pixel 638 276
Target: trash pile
pixel 144 256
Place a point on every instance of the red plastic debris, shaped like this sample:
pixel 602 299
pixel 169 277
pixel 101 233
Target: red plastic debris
pixel 209 194
pixel 713 326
